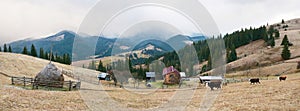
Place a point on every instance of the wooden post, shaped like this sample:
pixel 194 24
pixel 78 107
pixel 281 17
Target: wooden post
pixel 24 80
pixel 12 81
pixel 70 85
pixel 78 85
pixel 32 85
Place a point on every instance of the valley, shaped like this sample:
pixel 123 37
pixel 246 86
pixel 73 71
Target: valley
pixel 254 60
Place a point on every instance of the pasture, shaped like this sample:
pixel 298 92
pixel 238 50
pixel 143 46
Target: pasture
pixel 271 94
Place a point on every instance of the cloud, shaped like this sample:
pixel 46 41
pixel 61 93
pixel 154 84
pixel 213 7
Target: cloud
pixel 231 15
pixel 34 18
pixel 22 19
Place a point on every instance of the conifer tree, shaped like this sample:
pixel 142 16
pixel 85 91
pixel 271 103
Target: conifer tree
pixel 33 51
pixel 0 49
pixel 5 48
pixel 9 49
pixel 272 41
pixel 42 55
pixel 232 56
pixel 47 56
pixel 277 34
pixel 52 57
pixel 101 68
pixel 203 69
pixel 286 54
pixel 209 64
pixel 25 50
pixel 92 65
pixel 129 62
pixel 285 40
pixel 68 59
pixel 271 30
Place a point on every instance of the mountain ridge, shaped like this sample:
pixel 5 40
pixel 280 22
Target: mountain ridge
pixel 63 42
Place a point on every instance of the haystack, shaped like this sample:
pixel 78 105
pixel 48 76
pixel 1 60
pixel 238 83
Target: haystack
pixel 50 76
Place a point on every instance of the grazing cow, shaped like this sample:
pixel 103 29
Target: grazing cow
pixel 282 78
pixel 254 80
pixel 213 85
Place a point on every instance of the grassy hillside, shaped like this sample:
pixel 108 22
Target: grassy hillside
pixel 269 95
pixel 16 98
pixel 256 55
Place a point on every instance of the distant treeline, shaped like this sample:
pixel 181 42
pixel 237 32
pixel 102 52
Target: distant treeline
pixel 213 50
pixel 64 59
pixel 211 47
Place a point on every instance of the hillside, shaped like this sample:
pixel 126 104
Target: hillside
pixel 255 60
pixel 16 98
pixel 236 96
pixel 256 54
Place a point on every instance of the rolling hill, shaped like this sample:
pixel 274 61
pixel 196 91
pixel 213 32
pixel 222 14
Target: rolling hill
pixel 256 54
pixel 269 95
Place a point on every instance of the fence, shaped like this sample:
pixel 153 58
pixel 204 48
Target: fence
pixel 60 85
pixel 21 81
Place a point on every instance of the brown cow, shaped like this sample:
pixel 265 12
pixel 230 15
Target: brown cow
pixel 282 78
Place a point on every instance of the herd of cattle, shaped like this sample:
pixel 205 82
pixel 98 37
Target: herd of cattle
pixel 217 84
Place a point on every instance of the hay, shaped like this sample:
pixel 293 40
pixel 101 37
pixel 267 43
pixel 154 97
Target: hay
pixel 50 73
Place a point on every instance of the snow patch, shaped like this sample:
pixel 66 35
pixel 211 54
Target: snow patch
pixel 124 47
pixel 188 42
pixel 159 49
pixel 150 47
pixel 58 38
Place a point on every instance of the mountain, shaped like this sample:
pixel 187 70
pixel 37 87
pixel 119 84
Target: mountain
pixel 62 42
pixel 156 43
pixel 180 41
pixel 175 42
pixel 97 46
pixel 197 38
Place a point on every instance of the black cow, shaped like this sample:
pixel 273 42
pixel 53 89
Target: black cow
pixel 282 78
pixel 254 80
pixel 213 85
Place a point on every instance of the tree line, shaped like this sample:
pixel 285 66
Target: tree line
pixel 64 59
pixel 6 49
pixel 138 72
pixel 208 49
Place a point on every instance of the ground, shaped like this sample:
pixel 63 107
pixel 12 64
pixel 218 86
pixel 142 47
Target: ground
pixel 271 94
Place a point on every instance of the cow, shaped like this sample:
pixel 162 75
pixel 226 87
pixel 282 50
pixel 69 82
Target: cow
pixel 254 80
pixel 213 85
pixel 282 78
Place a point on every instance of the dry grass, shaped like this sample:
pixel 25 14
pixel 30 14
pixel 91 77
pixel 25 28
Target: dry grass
pixel 23 65
pixel 15 98
pixel 27 100
pixel 255 52
pixel 269 95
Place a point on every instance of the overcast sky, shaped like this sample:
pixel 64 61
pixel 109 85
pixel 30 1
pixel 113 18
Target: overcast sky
pixel 22 19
